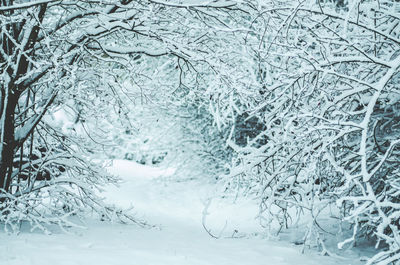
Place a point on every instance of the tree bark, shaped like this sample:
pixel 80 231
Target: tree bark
pixel 7 146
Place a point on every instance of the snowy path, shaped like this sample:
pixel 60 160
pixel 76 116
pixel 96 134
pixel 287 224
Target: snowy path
pixel 177 208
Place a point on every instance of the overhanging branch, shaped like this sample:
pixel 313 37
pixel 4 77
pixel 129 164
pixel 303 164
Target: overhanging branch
pixel 27 5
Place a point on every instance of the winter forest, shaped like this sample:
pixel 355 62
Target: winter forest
pixel 200 132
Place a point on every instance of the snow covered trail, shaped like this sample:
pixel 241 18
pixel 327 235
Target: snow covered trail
pixel 177 209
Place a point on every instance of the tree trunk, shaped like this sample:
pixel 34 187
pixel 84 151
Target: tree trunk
pixel 7 145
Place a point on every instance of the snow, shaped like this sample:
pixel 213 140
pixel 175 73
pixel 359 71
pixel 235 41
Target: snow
pixel 178 237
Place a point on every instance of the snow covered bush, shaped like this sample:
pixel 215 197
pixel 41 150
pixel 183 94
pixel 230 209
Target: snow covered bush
pixel 181 137
pixel 327 95
pixel 171 126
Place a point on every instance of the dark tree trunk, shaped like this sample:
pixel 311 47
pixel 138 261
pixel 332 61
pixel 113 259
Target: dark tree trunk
pixel 11 90
pixel 7 136
pixel 8 104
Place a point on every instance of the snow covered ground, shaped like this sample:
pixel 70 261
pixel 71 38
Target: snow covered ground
pixel 176 208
